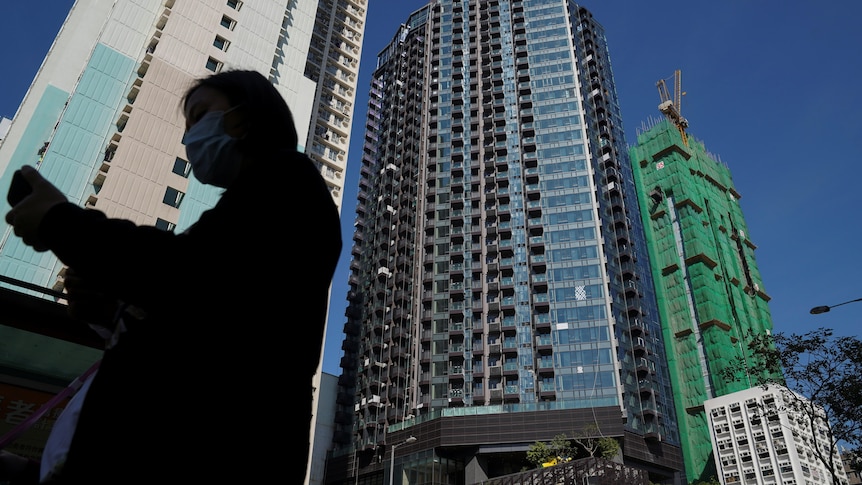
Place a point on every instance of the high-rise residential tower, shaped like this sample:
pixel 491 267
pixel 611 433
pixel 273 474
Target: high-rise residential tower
pixel 102 118
pixel 710 293
pixel 500 284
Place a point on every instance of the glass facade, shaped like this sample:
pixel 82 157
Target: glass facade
pixel 499 264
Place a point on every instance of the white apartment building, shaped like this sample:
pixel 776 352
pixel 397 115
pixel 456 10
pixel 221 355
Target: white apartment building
pixel 757 438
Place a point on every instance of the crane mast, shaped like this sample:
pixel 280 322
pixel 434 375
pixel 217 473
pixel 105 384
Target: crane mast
pixel 672 107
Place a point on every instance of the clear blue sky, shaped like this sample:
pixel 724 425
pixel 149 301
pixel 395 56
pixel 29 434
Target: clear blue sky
pixel 773 90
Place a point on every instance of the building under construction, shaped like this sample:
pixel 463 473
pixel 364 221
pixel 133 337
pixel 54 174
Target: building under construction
pixel 710 295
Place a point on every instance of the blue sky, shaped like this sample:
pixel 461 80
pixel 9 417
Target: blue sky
pixel 772 89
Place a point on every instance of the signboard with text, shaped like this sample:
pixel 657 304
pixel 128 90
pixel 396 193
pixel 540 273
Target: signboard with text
pixel 16 405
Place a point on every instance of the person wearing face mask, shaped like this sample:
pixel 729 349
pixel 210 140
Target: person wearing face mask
pixel 215 330
pixel 212 152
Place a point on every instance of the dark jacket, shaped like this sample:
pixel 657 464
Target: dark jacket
pixel 206 386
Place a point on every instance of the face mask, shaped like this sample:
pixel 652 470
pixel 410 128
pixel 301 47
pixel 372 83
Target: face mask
pixel 213 153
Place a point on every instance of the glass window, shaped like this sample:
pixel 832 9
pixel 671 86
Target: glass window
pixel 173 197
pixel 213 65
pixel 182 167
pixel 165 225
pixel 228 22
pixel 221 43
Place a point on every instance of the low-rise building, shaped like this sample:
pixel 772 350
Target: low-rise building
pixel 763 435
pixel 851 461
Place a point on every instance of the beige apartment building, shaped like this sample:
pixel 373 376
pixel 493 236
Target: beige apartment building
pixel 102 121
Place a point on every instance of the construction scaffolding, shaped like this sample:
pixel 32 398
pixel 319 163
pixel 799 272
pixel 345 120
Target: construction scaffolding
pixel 710 294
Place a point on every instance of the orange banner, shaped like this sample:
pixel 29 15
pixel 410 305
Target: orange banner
pixel 16 405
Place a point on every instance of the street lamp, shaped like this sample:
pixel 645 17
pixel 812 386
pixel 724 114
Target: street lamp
pixel 411 439
pixel 823 309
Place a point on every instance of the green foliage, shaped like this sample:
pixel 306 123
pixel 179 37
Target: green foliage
pixel 592 442
pixel 561 446
pixel 589 439
pixel 608 447
pixel 540 452
pixel 711 481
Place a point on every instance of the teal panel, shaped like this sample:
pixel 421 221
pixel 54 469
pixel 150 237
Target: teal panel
pixel 36 134
pixel 16 259
pixel 75 152
pixel 89 122
pixel 198 198
pixel 22 351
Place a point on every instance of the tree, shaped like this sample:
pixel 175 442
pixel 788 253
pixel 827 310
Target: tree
pixel 825 373
pixel 591 440
pixel 608 447
pixel 560 448
pixel 540 452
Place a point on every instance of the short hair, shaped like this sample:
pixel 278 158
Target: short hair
pixel 268 118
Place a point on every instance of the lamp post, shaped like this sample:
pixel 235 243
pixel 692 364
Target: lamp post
pixel 824 308
pixel 410 439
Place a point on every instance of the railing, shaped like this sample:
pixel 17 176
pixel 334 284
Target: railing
pixel 587 470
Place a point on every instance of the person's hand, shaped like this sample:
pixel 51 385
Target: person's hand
pixel 27 215
pixel 88 304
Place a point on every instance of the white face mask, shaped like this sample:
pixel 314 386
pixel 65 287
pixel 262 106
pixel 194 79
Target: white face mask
pixel 212 153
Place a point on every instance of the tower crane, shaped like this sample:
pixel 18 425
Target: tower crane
pixel 671 107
